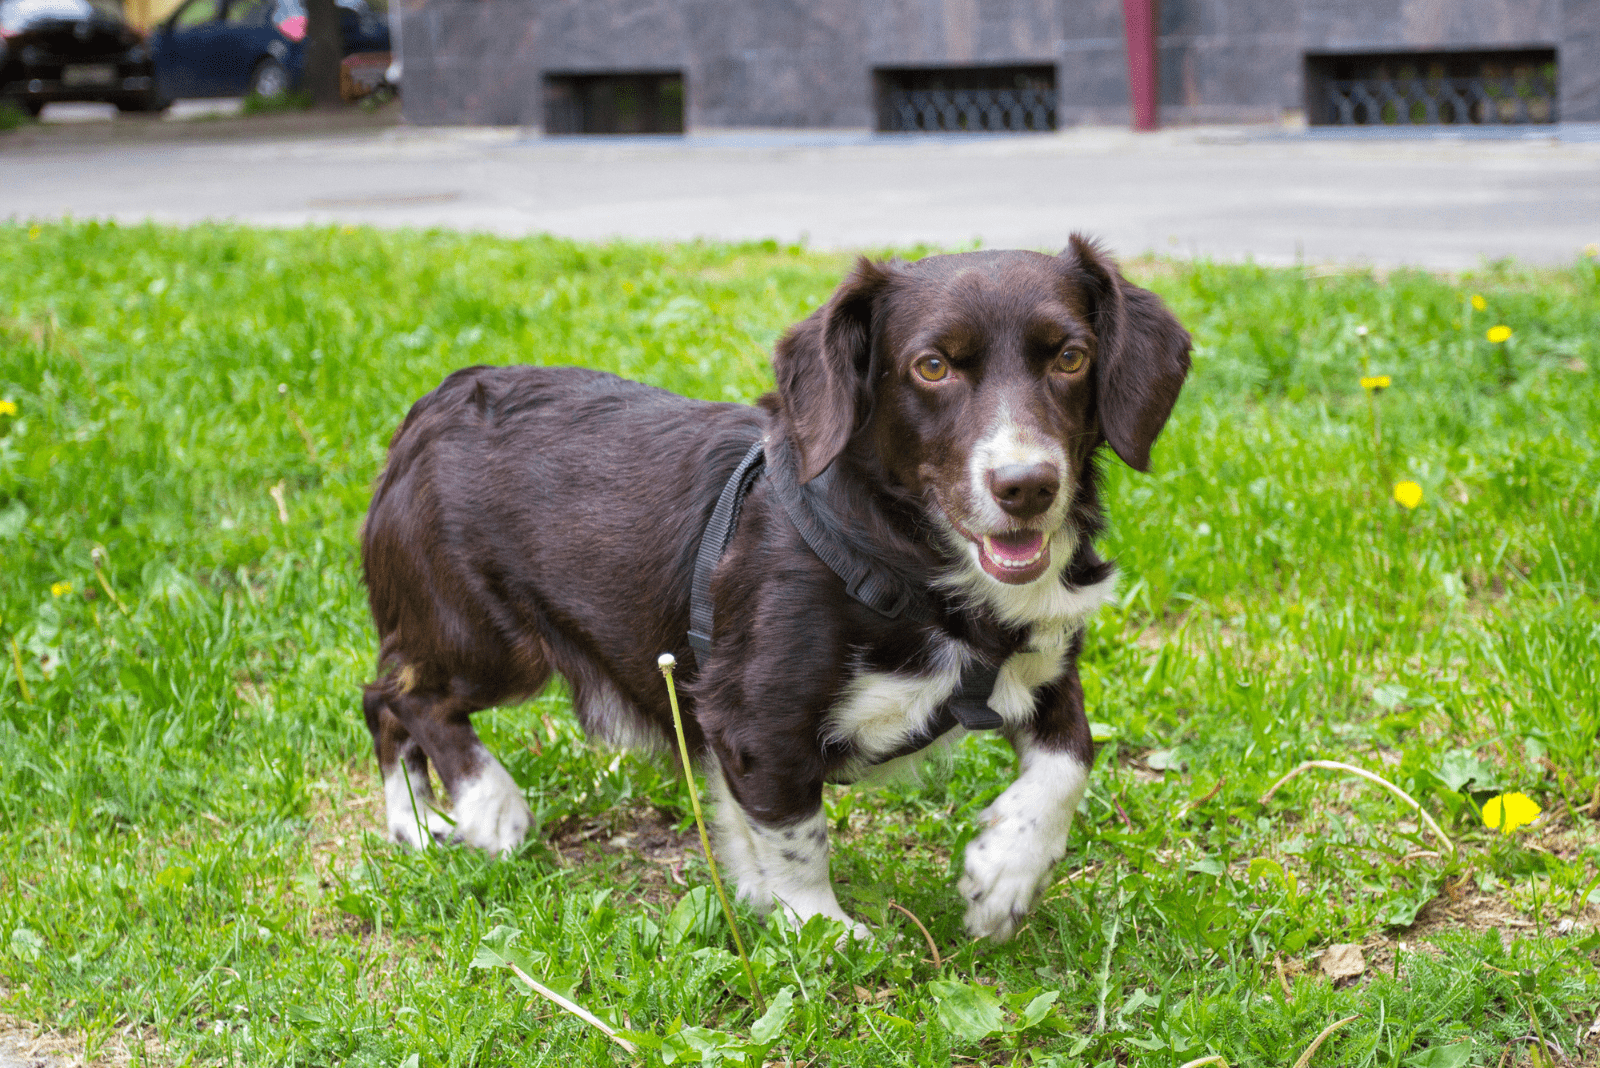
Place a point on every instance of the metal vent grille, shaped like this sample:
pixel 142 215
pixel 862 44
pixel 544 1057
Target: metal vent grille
pixel 624 103
pixel 967 100
pixel 1433 89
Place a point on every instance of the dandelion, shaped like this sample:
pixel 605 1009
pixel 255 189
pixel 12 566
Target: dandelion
pixel 60 589
pixel 1374 381
pixel 1510 811
pixel 1478 303
pixel 1408 494
pixel 8 407
pixel 33 233
pixel 1498 334
pixel 1592 250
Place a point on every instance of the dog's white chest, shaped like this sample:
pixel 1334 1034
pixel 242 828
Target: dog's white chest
pixel 881 710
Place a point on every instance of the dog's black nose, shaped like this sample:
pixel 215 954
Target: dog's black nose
pixel 1025 490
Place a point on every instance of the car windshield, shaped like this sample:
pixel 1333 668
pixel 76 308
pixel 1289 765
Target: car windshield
pixel 16 15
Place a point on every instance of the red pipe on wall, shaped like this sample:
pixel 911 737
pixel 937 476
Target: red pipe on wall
pixel 1139 24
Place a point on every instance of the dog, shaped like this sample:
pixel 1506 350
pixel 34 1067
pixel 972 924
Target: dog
pixel 922 515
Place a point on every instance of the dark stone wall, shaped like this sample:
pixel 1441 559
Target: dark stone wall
pixel 809 63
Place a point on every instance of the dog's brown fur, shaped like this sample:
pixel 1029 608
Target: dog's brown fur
pixel 533 520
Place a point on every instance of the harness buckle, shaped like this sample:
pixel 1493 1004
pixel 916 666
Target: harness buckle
pixel 873 598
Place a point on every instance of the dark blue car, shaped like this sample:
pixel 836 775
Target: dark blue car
pixel 236 47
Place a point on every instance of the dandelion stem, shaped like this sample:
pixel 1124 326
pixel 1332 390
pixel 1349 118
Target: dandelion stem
pixel 577 1010
pixel 1372 406
pixel 1316 1043
pixel 95 558
pixel 931 947
pixel 16 659
pixel 666 662
pixel 1334 765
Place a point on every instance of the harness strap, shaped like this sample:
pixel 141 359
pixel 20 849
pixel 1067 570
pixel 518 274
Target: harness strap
pixel 879 590
pixel 714 542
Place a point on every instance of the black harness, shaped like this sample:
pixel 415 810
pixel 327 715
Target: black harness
pixel 880 591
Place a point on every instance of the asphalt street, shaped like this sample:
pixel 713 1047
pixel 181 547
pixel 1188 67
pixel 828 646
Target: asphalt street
pixel 1233 194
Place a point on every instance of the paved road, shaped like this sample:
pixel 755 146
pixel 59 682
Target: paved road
pixel 1228 194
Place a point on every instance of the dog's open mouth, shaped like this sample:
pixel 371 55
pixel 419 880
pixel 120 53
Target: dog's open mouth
pixel 1015 556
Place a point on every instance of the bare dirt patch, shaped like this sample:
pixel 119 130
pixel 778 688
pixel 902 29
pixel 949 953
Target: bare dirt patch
pixel 23 1045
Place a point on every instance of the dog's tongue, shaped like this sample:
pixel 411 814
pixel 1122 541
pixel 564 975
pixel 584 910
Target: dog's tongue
pixel 1018 556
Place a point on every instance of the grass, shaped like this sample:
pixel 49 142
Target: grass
pixel 188 866
pixel 256 104
pixel 13 117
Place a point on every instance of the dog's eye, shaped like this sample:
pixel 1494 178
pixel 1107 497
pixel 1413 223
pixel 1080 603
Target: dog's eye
pixel 1070 361
pixel 932 368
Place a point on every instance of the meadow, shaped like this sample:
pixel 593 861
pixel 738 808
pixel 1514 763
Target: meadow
pixel 190 865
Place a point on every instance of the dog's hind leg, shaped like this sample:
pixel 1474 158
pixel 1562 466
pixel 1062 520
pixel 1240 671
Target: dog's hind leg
pixel 785 866
pixel 408 799
pixel 487 806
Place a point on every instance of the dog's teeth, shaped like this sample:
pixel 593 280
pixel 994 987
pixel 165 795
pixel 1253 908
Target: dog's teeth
pixel 1003 561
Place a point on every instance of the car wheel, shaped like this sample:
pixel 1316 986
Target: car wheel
pixel 269 79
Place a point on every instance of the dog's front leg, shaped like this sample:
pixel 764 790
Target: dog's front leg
pixel 784 865
pixel 1025 831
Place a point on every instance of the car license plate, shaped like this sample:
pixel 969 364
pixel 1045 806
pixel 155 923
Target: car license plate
pixel 77 74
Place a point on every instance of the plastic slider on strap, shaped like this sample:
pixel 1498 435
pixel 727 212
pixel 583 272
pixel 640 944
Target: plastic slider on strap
pixel 884 598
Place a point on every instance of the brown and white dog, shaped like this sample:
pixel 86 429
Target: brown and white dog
pixel 535 519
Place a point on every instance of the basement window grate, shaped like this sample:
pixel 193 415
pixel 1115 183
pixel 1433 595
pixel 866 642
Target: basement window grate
pixel 1432 88
pixel 966 99
pixel 644 102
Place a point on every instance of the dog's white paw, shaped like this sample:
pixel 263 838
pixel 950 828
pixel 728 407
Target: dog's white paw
pixel 1001 881
pixel 1026 834
pixel 490 812
pixel 409 810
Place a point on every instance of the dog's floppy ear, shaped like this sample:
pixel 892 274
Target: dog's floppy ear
pixel 823 368
pixel 1142 359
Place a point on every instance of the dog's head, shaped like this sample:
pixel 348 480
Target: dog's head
pixel 982 383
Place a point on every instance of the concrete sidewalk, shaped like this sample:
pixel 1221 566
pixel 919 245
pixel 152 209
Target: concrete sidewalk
pixel 1233 194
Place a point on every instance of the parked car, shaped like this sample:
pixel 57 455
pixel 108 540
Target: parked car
pixel 72 50
pixel 236 47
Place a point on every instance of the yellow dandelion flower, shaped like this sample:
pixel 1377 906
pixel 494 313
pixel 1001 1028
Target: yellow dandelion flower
pixel 1498 334
pixel 60 589
pixel 347 229
pixel 1510 811
pixel 1591 250
pixel 8 407
pixel 1478 302
pixel 33 233
pixel 1374 381
pixel 1408 493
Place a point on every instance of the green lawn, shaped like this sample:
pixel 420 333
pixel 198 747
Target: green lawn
pixel 189 869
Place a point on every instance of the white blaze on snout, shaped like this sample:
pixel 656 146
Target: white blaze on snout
pixel 1006 443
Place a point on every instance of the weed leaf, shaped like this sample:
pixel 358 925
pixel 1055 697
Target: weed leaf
pixel 775 1019
pixel 1454 1055
pixel 968 1011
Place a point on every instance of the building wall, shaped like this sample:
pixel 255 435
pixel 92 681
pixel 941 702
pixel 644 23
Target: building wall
pixel 809 63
